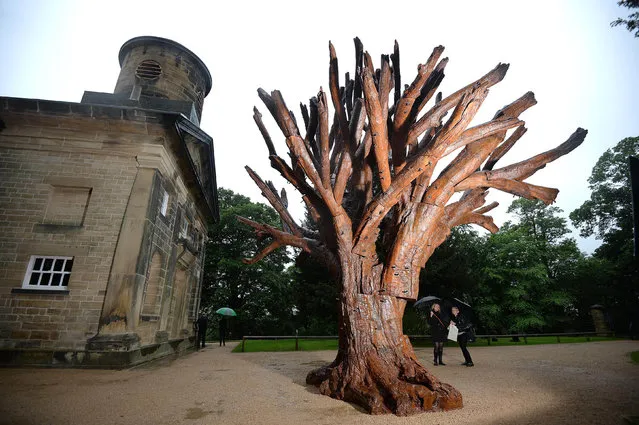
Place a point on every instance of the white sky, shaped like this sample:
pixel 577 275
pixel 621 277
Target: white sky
pixel 583 72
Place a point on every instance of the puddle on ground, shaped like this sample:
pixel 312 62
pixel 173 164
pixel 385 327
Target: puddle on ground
pixel 195 413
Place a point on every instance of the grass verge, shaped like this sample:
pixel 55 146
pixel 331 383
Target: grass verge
pixel 634 356
pixel 262 345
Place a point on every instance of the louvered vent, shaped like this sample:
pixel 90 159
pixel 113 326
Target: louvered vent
pixel 149 70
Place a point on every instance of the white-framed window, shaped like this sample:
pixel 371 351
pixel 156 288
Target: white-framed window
pixel 165 204
pixel 48 272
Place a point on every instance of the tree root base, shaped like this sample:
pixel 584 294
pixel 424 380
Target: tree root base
pixel 382 390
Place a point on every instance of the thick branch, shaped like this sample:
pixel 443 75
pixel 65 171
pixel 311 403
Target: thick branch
pixel 345 169
pixel 434 115
pixel 311 198
pixel 263 253
pixel 504 147
pixel 456 210
pixel 476 152
pixel 483 130
pixel 358 120
pixel 283 115
pixel 275 201
pixel 527 168
pixel 385 85
pixel 378 126
pixel 359 60
pixel 396 74
pixel 487 208
pixel 413 99
pixel 305 116
pixel 484 221
pixel 337 101
pixel 296 145
pixel 403 113
pixel 257 116
pixel 311 129
pixel 525 190
pixel 422 163
pixel 322 108
pixel 281 238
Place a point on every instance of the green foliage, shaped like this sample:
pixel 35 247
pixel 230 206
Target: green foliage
pixel 608 212
pixel 514 279
pixel 452 269
pixel 262 293
pixel 263 345
pixel 526 264
pixel 316 298
pixel 610 278
pixel 632 23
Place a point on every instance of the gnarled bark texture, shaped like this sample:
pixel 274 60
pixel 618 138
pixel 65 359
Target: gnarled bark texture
pixel 368 182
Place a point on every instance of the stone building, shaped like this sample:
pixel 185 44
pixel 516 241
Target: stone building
pixel 104 207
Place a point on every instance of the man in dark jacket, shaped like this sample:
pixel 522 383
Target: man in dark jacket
pixel 222 331
pixel 464 327
pixel 201 325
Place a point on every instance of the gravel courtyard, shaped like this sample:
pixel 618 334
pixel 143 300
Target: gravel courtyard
pixel 589 383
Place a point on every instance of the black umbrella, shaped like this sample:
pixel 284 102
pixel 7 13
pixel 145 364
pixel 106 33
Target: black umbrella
pixel 464 308
pixel 426 302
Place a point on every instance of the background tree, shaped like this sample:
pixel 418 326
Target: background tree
pixel 523 287
pixel 316 295
pixel 608 213
pixel 316 299
pixel 608 216
pixel 632 23
pixel 453 271
pixel 261 293
pixel 380 211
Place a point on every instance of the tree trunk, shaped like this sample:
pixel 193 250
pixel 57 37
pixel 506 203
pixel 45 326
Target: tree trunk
pixel 332 168
pixel 376 367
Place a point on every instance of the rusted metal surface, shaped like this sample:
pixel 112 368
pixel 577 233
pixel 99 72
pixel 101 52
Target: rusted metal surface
pixel 368 182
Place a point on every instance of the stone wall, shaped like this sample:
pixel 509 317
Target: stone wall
pixel 51 320
pixel 55 152
pixel 167 260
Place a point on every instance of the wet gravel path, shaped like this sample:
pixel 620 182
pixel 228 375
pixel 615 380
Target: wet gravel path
pixel 588 383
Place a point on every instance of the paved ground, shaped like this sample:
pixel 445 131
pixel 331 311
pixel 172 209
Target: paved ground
pixel 590 383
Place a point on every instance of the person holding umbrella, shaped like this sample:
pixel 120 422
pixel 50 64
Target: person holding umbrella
pixel 439 332
pixel 224 311
pixel 222 331
pixel 464 327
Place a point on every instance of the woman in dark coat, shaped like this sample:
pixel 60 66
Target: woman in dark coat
pixel 462 337
pixel 439 332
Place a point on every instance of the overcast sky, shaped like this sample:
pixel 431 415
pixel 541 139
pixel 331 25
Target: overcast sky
pixel 583 73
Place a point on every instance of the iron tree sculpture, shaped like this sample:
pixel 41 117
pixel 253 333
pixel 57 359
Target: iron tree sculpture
pixel 368 182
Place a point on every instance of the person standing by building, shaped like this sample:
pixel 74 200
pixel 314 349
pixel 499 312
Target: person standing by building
pixel 438 330
pixel 200 325
pixel 464 326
